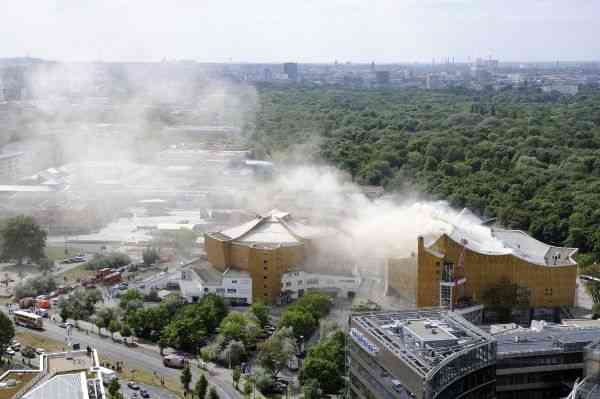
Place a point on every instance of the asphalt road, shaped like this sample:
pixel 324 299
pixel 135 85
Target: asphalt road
pixel 138 358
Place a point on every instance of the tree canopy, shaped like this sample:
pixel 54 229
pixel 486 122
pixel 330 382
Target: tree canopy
pixel 530 159
pixel 7 333
pixel 23 239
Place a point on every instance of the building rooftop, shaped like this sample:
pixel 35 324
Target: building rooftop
pixel 423 339
pixel 274 228
pixel 549 339
pixel 468 230
pixel 63 375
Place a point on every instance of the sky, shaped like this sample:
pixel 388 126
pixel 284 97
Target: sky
pixel 300 30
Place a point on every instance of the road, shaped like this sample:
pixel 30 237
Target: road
pixel 142 358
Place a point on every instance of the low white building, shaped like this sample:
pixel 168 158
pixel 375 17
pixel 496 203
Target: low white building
pixel 233 285
pixel 297 282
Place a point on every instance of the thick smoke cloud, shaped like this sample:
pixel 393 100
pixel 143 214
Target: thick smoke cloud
pixel 367 229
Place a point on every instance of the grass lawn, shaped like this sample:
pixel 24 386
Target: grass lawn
pixel 22 380
pixel 4 300
pixel 35 341
pixel 147 378
pixel 57 252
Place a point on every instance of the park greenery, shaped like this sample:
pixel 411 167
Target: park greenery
pixel 80 304
pixel 303 316
pixel 112 260
pixel 23 239
pixel 7 333
pixel 525 157
pixel 34 286
pixel 323 367
pixel 150 256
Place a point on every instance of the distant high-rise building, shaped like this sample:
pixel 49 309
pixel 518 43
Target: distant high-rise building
pixel 291 70
pixel 267 74
pixel 372 65
pixel 382 77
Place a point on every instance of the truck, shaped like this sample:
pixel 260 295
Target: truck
pixel 174 361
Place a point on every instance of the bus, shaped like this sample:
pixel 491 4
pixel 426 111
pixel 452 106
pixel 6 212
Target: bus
pixel 27 319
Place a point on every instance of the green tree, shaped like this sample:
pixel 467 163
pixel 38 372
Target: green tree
pixel 64 312
pixel 212 394
pixel 126 331
pixel 7 333
pixel 235 376
pixel 131 295
pixel 261 312
pixel 248 386
pixel 150 256
pixel 233 353
pixel 22 238
pixel 275 352
pixel 45 264
pixel 201 387
pixel 114 389
pixel 239 327
pixel 186 378
pixel 317 304
pixel 113 327
pixel 299 320
pixel 324 362
pixel 311 389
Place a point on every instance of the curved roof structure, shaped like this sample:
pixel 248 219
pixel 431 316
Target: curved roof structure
pixel 276 227
pixel 496 241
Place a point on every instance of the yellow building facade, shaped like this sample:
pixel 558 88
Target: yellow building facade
pixel 449 269
pixel 266 248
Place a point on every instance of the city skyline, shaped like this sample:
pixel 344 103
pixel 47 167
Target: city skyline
pixel 385 31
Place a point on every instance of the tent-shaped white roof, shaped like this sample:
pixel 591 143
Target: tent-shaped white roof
pixel 276 227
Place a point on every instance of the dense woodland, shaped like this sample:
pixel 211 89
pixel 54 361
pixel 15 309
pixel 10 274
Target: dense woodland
pixel 529 158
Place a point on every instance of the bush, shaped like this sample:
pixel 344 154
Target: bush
pixel 112 260
pixel 35 286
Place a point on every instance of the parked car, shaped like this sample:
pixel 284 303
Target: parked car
pixel 123 286
pixel 28 352
pixel 144 393
pixel 10 352
pixel 133 385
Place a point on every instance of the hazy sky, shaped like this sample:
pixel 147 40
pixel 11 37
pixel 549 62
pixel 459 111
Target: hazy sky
pixel 300 30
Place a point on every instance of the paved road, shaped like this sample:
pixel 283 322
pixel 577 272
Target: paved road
pixel 138 358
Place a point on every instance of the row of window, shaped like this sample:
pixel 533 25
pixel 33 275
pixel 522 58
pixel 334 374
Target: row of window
pixel 222 290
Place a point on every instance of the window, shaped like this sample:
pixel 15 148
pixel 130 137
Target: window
pixel 231 290
pixel 265 277
pixel 265 294
pixel 265 286
pixel 445 295
pixel 206 290
pixel 299 282
pixel 220 290
pixel 266 268
pixel 265 262
pixel 288 284
pixel 312 281
pixel 233 281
